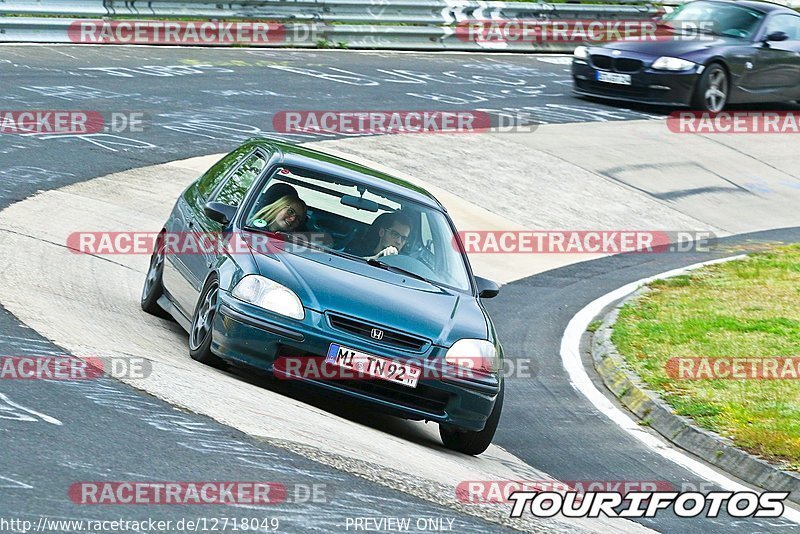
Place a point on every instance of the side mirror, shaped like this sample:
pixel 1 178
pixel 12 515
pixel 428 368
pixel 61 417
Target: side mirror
pixel 486 288
pixel 776 36
pixel 219 212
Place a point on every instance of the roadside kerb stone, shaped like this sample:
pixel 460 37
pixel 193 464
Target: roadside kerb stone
pixel 654 412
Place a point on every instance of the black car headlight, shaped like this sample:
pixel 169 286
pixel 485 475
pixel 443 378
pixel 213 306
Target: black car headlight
pixel 476 354
pixel 270 295
pixel 673 64
pixel 580 52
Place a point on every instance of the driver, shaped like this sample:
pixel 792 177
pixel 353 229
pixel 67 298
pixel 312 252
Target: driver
pixel 393 232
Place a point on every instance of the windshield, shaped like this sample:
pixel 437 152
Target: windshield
pixel 721 19
pixel 362 223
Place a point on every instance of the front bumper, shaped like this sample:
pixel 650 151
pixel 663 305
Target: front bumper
pixel 248 335
pixel 647 86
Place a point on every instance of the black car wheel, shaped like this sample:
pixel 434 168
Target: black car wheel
pixel 472 442
pixel 711 93
pixel 153 284
pixel 202 325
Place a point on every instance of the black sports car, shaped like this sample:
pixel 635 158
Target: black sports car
pixel 738 52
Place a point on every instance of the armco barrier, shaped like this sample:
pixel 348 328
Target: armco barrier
pixel 380 24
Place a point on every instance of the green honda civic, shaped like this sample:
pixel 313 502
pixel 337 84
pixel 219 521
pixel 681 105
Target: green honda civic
pixel 287 260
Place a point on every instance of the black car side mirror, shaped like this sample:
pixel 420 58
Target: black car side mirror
pixel 219 212
pixel 776 36
pixel 486 288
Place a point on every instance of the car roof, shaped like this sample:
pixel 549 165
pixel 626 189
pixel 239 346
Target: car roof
pixel 325 163
pixel 766 7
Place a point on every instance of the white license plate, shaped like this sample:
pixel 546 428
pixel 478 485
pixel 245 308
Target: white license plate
pixel 614 77
pixel 375 366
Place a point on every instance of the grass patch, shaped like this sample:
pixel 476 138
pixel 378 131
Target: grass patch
pixel 739 309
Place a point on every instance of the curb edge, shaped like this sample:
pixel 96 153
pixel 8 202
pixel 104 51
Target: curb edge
pixel 654 412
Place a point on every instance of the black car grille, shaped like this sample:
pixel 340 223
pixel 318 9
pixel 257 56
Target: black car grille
pixel 620 64
pixel 623 64
pixel 601 62
pixel 390 337
pixel 421 398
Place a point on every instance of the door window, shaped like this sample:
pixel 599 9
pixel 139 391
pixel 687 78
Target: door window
pixel 237 184
pixel 789 24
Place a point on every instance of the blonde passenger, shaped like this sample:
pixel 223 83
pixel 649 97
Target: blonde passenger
pixel 284 215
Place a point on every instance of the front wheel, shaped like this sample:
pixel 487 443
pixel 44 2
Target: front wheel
pixel 203 324
pixel 153 284
pixel 711 93
pixel 474 442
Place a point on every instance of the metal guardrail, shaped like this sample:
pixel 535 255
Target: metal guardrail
pixel 440 12
pixel 383 24
pixel 362 36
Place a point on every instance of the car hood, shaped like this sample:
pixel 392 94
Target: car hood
pixel 671 47
pixel 328 283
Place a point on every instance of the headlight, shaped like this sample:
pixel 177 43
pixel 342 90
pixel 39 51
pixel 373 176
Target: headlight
pixel 270 295
pixel 476 354
pixel 672 63
pixel 580 52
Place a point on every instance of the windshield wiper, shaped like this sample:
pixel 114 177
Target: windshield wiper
pixel 382 265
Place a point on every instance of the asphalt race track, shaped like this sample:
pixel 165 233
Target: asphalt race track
pixel 198 102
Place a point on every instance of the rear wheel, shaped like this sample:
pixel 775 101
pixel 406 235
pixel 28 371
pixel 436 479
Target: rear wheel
pixel 153 284
pixel 711 93
pixel 203 324
pixel 472 442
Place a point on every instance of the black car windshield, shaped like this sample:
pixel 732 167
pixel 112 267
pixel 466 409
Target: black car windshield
pixel 730 20
pixel 360 222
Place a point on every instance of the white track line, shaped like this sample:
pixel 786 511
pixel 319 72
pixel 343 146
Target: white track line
pixel 571 359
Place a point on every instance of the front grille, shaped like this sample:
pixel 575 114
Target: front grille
pixel 622 64
pixel 421 398
pixel 390 337
pixel 601 62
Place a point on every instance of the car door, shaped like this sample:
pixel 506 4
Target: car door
pixel 180 275
pixel 775 67
pixel 232 192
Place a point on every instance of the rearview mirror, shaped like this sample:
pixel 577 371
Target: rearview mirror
pixel 777 36
pixel 219 212
pixel 360 203
pixel 486 288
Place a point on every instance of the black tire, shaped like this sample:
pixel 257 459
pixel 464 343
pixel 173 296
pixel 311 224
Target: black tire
pixel 153 284
pixel 472 442
pixel 200 333
pixel 712 89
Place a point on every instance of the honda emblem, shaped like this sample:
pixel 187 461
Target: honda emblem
pixel 376 333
